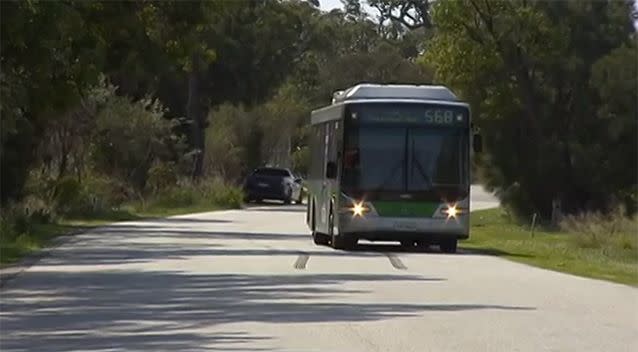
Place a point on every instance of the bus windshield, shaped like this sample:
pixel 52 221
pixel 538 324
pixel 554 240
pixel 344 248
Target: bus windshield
pixel 404 157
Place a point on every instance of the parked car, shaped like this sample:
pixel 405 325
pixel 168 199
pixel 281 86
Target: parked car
pixel 274 184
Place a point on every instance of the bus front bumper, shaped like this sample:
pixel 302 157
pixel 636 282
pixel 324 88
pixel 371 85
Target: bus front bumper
pixel 379 228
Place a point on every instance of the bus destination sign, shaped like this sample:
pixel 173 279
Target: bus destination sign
pixel 435 115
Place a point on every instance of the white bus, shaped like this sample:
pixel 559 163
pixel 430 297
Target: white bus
pixel 391 163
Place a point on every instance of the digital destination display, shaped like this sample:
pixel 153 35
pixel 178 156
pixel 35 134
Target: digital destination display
pixel 437 115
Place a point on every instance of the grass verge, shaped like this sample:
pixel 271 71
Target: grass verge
pixel 492 232
pixel 13 249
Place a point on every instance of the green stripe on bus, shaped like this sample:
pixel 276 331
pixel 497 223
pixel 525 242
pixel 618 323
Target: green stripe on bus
pixel 405 209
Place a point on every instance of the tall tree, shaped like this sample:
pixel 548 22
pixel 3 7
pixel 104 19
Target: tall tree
pixel 235 51
pixel 48 54
pixel 410 14
pixel 526 68
pixel 188 33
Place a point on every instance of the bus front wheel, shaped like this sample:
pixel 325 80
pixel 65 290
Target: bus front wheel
pixel 339 241
pixel 319 239
pixel 448 246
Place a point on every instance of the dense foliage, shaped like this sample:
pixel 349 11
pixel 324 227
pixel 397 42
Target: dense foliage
pixel 125 100
pixel 553 86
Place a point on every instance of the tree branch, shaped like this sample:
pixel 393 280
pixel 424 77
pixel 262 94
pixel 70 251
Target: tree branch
pixel 516 64
pixel 472 34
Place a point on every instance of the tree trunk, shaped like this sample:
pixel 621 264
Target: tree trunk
pixel 64 137
pixel 63 164
pixel 195 114
pixel 557 211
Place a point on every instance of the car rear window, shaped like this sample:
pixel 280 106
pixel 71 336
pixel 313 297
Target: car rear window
pixel 272 172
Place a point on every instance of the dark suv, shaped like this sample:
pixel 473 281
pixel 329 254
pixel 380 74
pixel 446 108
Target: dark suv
pixel 273 183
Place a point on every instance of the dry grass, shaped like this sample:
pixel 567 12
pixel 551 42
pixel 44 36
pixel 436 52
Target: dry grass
pixel 615 235
pixel 592 245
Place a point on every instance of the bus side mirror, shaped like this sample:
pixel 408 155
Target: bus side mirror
pixel 331 170
pixel 477 142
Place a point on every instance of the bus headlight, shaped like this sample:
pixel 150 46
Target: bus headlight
pixel 452 211
pixel 358 209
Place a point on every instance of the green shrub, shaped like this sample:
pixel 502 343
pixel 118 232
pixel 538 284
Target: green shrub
pixel 68 197
pixel 104 193
pixel 40 186
pixel 8 228
pixel 49 197
pixel 130 135
pixel 19 219
pixel 67 190
pixel 222 193
pixel 38 209
pixel 301 160
pixel 175 196
pixel 614 234
pixel 208 192
pixel 161 176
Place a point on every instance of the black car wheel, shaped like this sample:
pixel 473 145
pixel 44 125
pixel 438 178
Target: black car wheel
pixel 287 196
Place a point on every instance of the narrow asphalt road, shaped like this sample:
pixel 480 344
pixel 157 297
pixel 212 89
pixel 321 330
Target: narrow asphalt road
pixel 251 280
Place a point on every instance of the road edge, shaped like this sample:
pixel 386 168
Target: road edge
pixel 9 272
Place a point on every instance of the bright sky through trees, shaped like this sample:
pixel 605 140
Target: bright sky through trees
pixel 328 5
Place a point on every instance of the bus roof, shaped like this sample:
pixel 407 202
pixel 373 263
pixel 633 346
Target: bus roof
pixel 335 111
pixel 394 91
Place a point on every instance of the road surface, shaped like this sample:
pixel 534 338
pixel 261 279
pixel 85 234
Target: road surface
pixel 251 280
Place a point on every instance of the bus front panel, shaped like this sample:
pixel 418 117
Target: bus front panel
pixel 405 170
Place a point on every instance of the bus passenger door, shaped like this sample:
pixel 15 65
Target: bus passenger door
pixel 323 201
pixel 330 171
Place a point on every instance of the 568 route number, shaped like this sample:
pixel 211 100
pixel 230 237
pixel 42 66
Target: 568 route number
pixel 440 116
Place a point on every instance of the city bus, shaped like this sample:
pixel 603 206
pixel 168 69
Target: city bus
pixel 391 163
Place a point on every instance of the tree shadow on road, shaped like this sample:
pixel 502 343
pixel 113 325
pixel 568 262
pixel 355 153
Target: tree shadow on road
pixel 143 244
pixel 172 310
pixel 100 249
pixel 140 244
pixel 130 231
pixel 186 220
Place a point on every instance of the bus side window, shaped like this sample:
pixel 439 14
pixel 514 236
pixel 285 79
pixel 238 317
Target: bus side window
pixel 317 151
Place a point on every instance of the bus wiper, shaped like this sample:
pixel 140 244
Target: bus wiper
pixel 419 167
